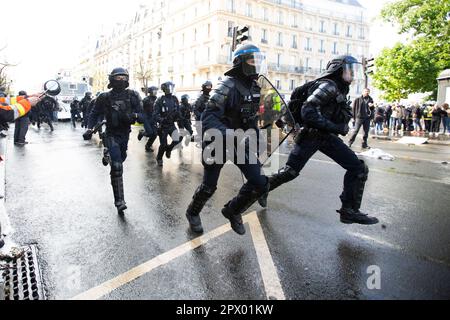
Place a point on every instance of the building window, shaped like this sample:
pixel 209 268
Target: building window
pixel 361 34
pixel 278 84
pixel 307 63
pixel 209 30
pixel 280 17
pixel 348 49
pixel 280 39
pixel 264 36
pixel 248 10
pixel 195 34
pixel 308 44
pixel 266 14
pixel 322 49
pixel 230 6
pixel 349 32
pixel 278 60
pixel 335 45
pixel 322 26
pixel 336 29
pixel 321 65
pixel 292 85
pixel 230 28
pixel 294 21
pixel 294 42
pixel 308 25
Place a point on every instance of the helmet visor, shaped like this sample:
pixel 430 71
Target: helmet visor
pixel 254 64
pixel 121 77
pixel 352 72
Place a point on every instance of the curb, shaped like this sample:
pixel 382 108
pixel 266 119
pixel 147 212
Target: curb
pixel 430 141
pixel 3 143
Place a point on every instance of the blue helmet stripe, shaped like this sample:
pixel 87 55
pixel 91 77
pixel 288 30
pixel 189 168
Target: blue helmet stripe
pixel 241 52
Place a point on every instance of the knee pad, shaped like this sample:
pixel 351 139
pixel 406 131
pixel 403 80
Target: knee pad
pixel 116 169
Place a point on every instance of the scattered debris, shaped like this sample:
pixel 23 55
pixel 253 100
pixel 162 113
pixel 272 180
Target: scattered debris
pixel 377 154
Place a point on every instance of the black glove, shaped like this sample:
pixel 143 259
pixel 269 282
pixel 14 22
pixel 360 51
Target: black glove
pixel 88 135
pixel 342 129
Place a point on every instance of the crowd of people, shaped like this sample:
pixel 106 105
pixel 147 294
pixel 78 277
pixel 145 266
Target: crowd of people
pixel 416 119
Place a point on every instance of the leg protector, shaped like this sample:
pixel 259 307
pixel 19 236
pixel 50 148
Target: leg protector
pixel 246 197
pixel 117 185
pixel 201 196
pixel 283 176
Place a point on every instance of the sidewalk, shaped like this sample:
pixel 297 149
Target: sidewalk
pixel 441 139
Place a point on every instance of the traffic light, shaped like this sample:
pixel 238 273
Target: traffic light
pixel 239 36
pixel 368 65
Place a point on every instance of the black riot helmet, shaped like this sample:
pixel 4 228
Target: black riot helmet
pixel 22 93
pixel 345 66
pixel 152 91
pixel 168 87
pixel 207 87
pixel 248 60
pixel 185 98
pixel 119 79
pixel 88 94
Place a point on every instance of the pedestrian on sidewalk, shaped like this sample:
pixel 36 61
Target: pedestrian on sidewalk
pixel 436 119
pixel 387 116
pixel 396 118
pixel 379 120
pixel 427 117
pixel 362 116
pixel 417 117
pixel 21 125
pixel 446 118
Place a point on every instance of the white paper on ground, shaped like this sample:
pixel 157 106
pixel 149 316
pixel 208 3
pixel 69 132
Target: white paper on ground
pixel 377 154
pixel 412 140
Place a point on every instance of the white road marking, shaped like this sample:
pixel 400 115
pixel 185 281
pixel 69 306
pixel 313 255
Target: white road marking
pixel 269 274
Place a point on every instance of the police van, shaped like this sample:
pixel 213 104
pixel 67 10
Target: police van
pixel 69 90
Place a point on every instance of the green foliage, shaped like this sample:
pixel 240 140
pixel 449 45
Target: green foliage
pixel 413 67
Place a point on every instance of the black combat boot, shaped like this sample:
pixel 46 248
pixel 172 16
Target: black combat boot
pixel 141 134
pixel 201 196
pixel 117 185
pixel 350 212
pixel 283 176
pixel 159 156
pixel 246 197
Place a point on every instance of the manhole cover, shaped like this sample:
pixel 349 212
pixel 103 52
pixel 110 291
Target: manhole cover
pixel 21 276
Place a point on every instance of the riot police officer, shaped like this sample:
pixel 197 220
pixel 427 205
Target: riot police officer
pixel 325 115
pixel 84 107
pixel 75 111
pixel 167 112
pixel 200 106
pixel 234 105
pixel 186 112
pixel 46 107
pixel 121 107
pixel 151 130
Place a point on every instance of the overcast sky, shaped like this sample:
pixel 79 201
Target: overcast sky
pixel 43 36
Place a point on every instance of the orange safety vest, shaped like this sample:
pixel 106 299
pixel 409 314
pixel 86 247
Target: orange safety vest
pixel 10 112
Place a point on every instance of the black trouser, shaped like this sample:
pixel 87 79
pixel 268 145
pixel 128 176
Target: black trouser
pixel 163 134
pixel 365 123
pixel 427 125
pixel 435 125
pixel 21 129
pixel 335 148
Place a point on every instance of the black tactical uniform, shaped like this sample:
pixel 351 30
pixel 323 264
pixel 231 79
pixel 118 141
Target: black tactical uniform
pixel 151 130
pixel 121 107
pixel 46 108
pixel 167 112
pixel 186 112
pixel 84 107
pixel 200 106
pixel 234 105
pixel 21 126
pixel 75 112
pixel 325 115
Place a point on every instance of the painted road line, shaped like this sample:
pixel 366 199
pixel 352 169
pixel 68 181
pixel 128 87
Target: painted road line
pixel 269 273
pixel 137 272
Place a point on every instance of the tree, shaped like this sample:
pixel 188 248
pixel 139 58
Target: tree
pixel 414 67
pixel 144 73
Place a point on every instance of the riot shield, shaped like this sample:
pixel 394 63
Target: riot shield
pixel 275 120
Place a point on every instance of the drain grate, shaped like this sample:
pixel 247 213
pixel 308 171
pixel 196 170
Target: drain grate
pixel 22 278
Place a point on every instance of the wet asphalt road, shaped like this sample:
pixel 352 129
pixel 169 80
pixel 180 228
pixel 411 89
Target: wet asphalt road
pixel 59 197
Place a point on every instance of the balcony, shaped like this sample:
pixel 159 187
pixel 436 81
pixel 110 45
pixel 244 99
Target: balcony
pixel 308 49
pixel 264 41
